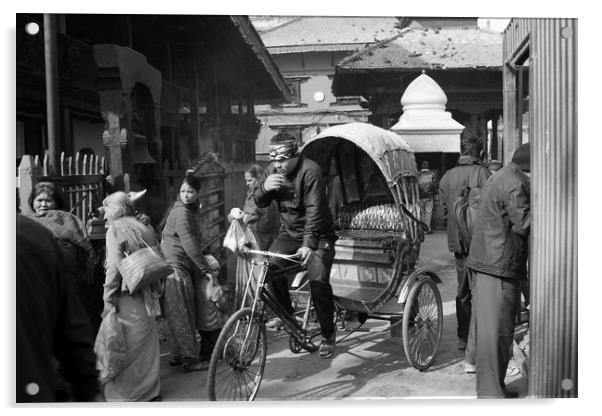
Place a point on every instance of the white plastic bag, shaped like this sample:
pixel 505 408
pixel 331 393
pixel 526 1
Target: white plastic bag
pixel 111 352
pixel 235 236
pixel 239 237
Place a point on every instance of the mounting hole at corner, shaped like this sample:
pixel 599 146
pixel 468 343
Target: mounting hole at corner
pixel 319 96
pixel 32 28
pixel 566 384
pixel 32 389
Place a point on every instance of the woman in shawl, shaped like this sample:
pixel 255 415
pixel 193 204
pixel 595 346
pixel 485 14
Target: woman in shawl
pixel 47 205
pixel 135 377
pixel 187 303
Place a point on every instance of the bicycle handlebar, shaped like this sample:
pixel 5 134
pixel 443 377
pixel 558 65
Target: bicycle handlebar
pixel 270 254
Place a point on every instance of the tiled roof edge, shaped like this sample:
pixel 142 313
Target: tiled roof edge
pixel 293 20
pixel 370 48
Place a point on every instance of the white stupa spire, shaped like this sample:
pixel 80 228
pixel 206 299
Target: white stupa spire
pixel 424 122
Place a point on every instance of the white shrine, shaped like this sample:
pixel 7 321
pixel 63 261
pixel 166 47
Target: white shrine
pixel 424 123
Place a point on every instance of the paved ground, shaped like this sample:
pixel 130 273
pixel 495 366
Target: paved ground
pixel 367 365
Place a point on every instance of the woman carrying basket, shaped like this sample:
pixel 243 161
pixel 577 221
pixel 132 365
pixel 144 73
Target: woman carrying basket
pixel 135 376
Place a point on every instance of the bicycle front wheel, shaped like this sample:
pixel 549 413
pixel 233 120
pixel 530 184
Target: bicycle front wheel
pixel 238 359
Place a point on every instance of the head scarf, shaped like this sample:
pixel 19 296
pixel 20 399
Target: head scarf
pixel 284 150
pixel 121 204
pixel 65 226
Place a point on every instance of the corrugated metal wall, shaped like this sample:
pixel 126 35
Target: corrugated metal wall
pixel 553 122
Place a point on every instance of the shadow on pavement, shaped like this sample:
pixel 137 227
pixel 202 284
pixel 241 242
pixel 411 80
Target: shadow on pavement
pixel 361 359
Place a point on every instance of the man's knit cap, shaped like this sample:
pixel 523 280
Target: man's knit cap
pixel 522 156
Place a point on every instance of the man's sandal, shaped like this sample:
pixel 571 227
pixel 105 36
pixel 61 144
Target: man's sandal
pixel 327 347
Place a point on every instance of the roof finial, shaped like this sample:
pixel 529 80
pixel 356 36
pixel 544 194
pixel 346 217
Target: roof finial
pixel 423 71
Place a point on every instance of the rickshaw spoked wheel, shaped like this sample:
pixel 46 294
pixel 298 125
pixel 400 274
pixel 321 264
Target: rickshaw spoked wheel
pixel 422 323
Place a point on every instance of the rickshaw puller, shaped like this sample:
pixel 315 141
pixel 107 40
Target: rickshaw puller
pixel 297 184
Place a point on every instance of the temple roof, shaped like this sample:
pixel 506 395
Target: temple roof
pixel 308 34
pixel 252 38
pixel 430 48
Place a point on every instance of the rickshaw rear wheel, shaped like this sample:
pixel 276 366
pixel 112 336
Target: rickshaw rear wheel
pixel 422 323
pixel 238 358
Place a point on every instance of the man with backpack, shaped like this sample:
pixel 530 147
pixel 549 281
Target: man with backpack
pixel 458 191
pixel 498 261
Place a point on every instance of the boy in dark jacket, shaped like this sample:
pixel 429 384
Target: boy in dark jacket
pixel 297 184
pixel 452 184
pixel 498 258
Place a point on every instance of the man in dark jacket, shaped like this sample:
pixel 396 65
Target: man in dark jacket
pixel 297 184
pixel 51 322
pixel 498 258
pixel 428 188
pixel 452 184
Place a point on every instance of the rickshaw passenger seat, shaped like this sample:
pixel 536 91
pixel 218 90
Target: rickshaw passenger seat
pixel 368 233
pixel 374 216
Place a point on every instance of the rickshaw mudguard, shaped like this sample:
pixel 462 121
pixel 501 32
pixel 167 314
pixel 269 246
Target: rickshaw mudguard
pixel 412 279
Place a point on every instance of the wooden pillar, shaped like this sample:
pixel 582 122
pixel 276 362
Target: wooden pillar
pixel 215 146
pixel 52 92
pixel 510 134
pixel 482 131
pixel 29 173
pixel 169 57
pixel 193 143
pixel 494 138
pixel 500 138
pixel 61 24
pixel 130 41
pixel 67 141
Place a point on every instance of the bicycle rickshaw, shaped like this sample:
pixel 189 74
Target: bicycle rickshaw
pixel 379 237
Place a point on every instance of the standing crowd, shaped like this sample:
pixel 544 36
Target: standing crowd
pixel 288 206
pixel 490 244
pixel 60 357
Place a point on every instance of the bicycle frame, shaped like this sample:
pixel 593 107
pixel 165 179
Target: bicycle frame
pixel 262 297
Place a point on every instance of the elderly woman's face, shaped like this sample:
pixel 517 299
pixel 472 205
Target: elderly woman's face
pixel 108 211
pixel 43 202
pixel 113 207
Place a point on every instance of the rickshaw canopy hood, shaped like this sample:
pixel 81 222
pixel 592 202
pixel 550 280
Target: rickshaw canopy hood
pixel 389 151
